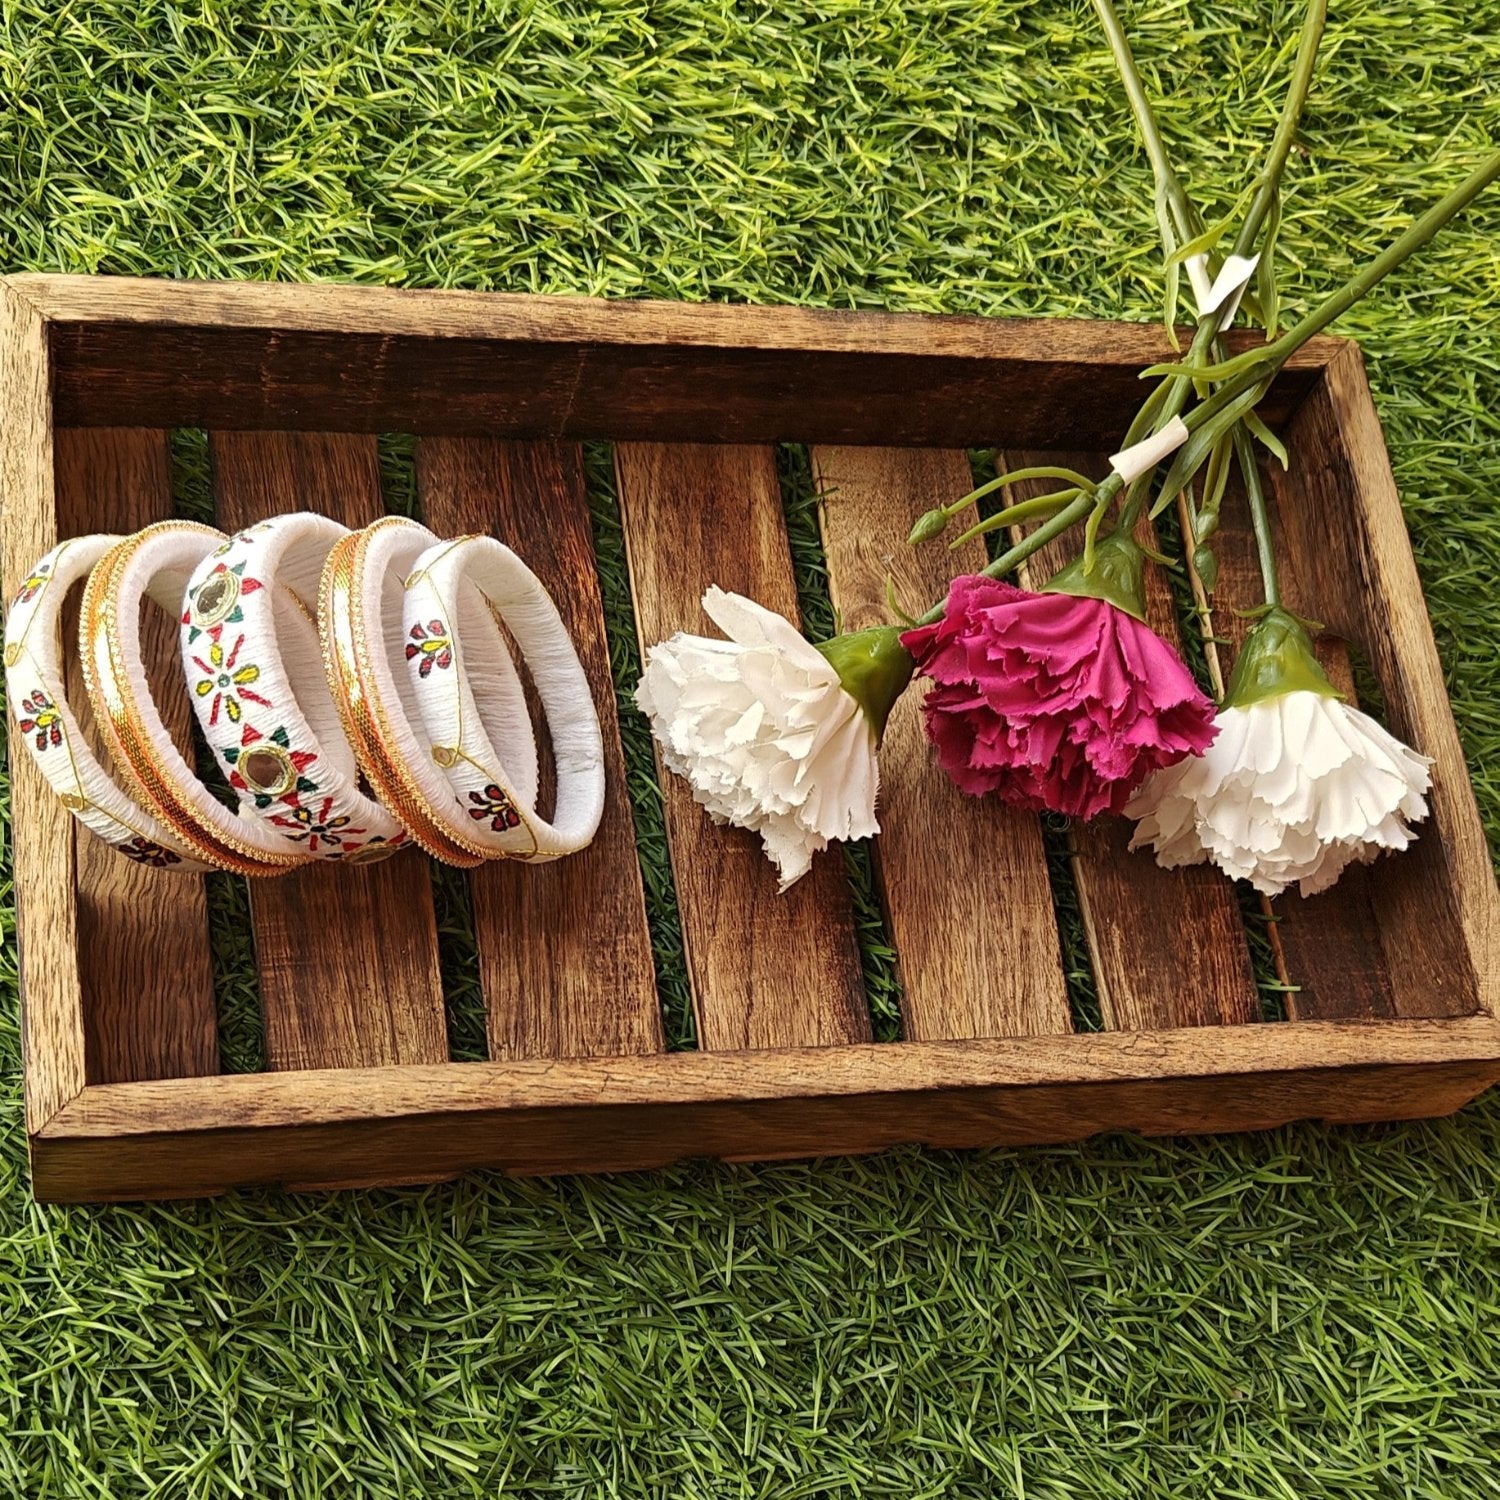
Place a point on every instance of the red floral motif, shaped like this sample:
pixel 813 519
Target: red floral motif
pixel 315 825
pixel 433 644
pixel 33 584
pixel 494 804
pixel 144 852
pixel 41 719
pixel 226 679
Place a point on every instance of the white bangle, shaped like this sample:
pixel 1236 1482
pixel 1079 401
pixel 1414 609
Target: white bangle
pixel 35 683
pixel 253 663
pixel 157 561
pixel 360 620
pixel 479 738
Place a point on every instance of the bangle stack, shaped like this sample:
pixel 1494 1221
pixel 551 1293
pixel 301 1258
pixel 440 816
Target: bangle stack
pixel 356 690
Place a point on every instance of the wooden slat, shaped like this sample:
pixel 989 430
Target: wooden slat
pixel 348 955
pixel 1435 904
pixel 1168 946
pixel 766 970
pixel 42 856
pixel 143 947
pixel 564 949
pixel 176 1138
pixel 374 359
pixel 1328 947
pixel 991 965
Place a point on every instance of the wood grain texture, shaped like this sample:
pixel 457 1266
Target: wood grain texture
pixel 42 854
pixel 1168 946
pixel 766 970
pixel 991 964
pixel 1435 905
pixel 371 359
pixel 564 949
pixel 1328 947
pixel 181 1137
pixel 143 950
pixel 347 954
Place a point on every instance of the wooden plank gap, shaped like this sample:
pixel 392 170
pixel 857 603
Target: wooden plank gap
pixel 963 879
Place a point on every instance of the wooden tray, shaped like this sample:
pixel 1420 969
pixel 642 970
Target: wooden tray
pixel 1394 973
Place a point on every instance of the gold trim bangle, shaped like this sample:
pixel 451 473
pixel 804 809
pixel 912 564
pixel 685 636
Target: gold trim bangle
pixel 156 561
pixel 366 689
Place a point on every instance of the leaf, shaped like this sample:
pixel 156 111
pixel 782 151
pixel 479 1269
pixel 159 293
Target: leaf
pixel 1043 507
pixel 1251 359
pixel 1266 294
pixel 1268 439
pixel 1203 243
pixel 894 605
pixel 1200 444
pixel 1173 274
pixel 1217 478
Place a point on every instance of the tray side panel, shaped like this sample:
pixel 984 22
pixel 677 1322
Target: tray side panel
pixel 143 949
pixel 247 355
pixel 348 954
pixel 93 1154
pixel 766 970
pixel 564 949
pixel 964 880
pixel 1149 975
pixel 1328 947
pixel 1435 903
pixel 42 856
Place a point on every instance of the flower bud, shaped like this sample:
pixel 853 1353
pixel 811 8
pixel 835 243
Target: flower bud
pixel 1206 566
pixel 934 523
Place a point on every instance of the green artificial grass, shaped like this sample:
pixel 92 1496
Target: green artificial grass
pixel 1301 1313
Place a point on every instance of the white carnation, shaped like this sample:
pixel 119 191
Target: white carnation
pixel 761 728
pixel 1294 788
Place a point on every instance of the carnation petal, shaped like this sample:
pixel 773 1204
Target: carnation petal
pixel 1294 789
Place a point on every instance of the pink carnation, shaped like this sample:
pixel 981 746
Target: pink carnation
pixel 1055 701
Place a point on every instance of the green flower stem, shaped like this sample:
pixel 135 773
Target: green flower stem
pixel 1244 448
pixel 1189 225
pixel 1226 405
pixel 1387 261
pixel 1286 129
pixel 1207 338
pixel 1038 539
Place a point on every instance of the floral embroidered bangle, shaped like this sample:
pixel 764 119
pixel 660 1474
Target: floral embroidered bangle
pixel 360 621
pixel 253 663
pixel 35 682
pixel 480 734
pixel 157 561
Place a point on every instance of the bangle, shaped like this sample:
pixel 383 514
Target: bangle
pixel 157 561
pixel 253 663
pixel 476 736
pixel 49 730
pixel 359 619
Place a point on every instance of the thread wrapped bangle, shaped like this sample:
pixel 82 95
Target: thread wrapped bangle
pixel 360 621
pixel 253 663
pixel 35 681
pixel 482 741
pixel 157 562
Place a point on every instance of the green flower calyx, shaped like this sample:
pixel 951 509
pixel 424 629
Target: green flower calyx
pixel 1118 576
pixel 1277 658
pixel 874 668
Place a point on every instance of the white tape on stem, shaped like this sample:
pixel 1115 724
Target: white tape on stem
pixel 1140 458
pixel 1228 287
pixel 1202 282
